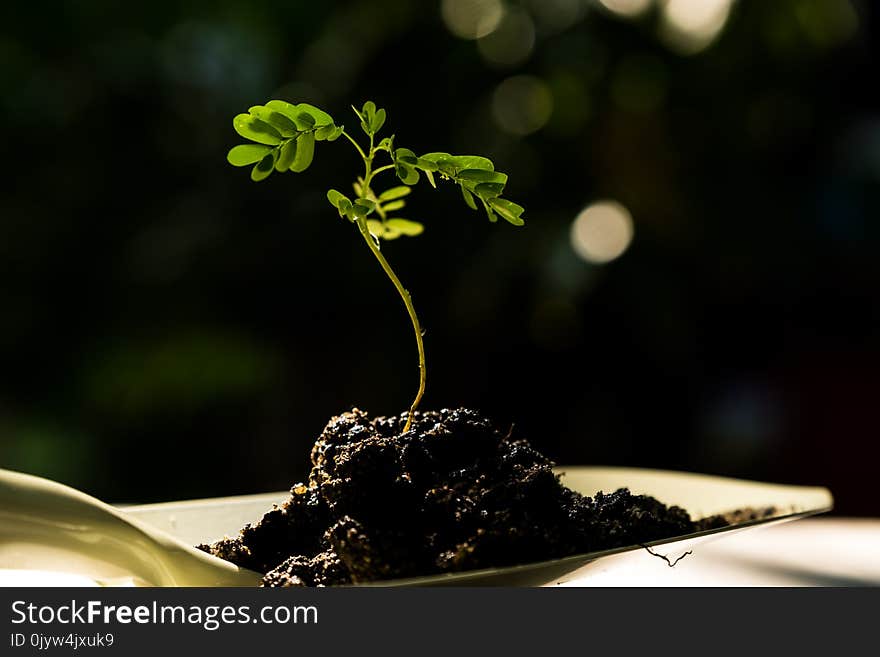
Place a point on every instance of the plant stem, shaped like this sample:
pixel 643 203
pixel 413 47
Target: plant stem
pixel 402 291
pixel 383 168
pixel 356 145
pixel 407 300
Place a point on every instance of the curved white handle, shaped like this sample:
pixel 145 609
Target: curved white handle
pixel 45 525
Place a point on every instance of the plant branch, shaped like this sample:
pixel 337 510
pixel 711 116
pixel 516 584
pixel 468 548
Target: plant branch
pixel 383 168
pixel 407 300
pixel 356 145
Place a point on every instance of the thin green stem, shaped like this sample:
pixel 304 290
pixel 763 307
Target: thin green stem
pixel 383 168
pixel 407 300
pixel 367 192
pixel 356 145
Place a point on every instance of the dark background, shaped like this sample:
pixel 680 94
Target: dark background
pixel 169 329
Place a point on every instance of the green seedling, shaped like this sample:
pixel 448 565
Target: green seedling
pixel 283 137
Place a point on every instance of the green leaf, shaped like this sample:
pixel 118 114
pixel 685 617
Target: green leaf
pixel 305 152
pixel 346 208
pixel 250 127
pixel 482 176
pixel 336 198
pixel 508 210
pixel 393 205
pixel 405 155
pixel 395 193
pixel 292 112
pixel 492 216
pixel 376 228
pixel 264 167
pixel 305 121
pixel 378 121
pixel 436 157
pixel 245 154
pixel 406 173
pixel 405 227
pixel 488 190
pixel 394 228
pixel 286 155
pixel 367 115
pixel 287 109
pixel 386 144
pixel 472 162
pixel 321 117
pixel 443 162
pixel 469 199
pixel 362 207
pixel 284 126
pixel 328 132
pixel 426 165
pixel 446 168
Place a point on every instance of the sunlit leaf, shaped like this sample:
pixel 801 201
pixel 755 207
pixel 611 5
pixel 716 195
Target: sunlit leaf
pixel 482 176
pixel 405 155
pixel 393 205
pixel 328 132
pixel 336 197
pixel 264 167
pixel 436 157
pixel 406 173
pixel 245 154
pixel 305 121
pixel 305 152
pixel 250 127
pixel 395 193
pixel 426 165
pixel 405 227
pixel 321 117
pixel 292 112
pixel 488 190
pixel 469 199
pixel 285 127
pixel 346 208
pixel 362 207
pixel 508 210
pixel 366 203
pixel 378 121
pixel 286 155
pixel 376 228
pixel 472 162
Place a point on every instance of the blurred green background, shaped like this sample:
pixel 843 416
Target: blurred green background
pixel 696 286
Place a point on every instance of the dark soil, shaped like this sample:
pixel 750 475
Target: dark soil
pixel 454 493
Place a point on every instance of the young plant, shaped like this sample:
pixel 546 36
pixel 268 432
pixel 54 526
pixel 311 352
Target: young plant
pixel 284 137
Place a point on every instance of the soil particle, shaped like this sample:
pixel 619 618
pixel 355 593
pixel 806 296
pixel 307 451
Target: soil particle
pixel 453 493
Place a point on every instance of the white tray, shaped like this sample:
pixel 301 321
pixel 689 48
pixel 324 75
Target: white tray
pixel 200 521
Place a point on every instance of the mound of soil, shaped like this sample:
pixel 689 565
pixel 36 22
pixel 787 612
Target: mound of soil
pixel 454 493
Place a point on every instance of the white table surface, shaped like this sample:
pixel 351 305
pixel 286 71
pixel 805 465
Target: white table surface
pixel 810 552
